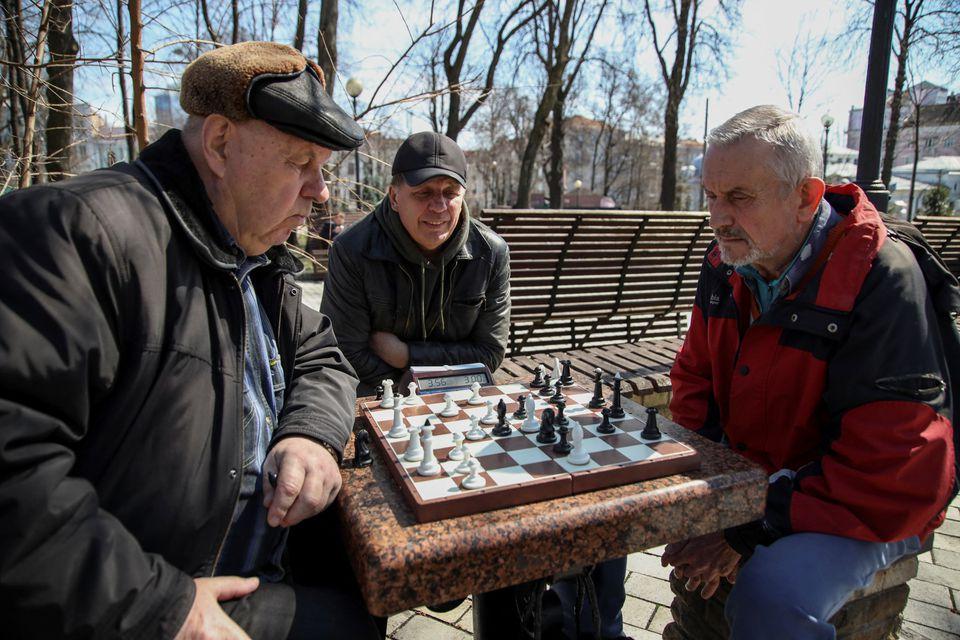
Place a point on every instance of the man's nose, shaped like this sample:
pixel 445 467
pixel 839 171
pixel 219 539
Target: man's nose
pixel 720 214
pixel 315 187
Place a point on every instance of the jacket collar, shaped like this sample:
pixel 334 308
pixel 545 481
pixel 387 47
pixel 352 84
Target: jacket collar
pixel 168 167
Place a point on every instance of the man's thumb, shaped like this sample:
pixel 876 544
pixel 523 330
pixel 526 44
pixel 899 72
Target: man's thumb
pixel 233 587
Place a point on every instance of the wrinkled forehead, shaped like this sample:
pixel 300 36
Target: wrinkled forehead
pixel 747 163
pixel 286 145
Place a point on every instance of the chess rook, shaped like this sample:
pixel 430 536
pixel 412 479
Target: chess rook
pixel 651 431
pixel 566 378
pixel 387 401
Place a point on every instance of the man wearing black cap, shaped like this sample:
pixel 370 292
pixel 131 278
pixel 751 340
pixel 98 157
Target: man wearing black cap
pixel 168 407
pixel 419 282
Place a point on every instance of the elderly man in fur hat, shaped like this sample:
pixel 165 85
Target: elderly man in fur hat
pixel 168 406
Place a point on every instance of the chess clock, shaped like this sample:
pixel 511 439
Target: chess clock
pixel 446 377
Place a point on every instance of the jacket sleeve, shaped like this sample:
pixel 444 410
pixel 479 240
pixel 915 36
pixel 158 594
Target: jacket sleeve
pixel 692 404
pixel 346 306
pixel 487 342
pixel 323 388
pixel 68 568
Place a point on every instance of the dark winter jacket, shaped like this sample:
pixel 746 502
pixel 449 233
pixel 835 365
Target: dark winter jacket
pixel 121 384
pixel 454 312
pixel 844 382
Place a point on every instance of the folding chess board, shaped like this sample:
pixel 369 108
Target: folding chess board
pixel 517 469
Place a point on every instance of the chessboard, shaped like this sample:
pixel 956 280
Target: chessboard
pixel 516 469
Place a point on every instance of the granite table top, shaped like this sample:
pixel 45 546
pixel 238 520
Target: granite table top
pixel 400 563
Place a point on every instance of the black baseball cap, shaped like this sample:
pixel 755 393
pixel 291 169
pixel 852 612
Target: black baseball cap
pixel 427 155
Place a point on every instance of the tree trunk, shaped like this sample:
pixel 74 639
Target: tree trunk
pixel 15 86
pixel 30 147
pixel 893 131
pixel 129 135
pixel 63 57
pixel 235 16
pixel 916 156
pixel 136 73
pixel 668 176
pixel 534 140
pixel 555 167
pixel 301 25
pixel 327 41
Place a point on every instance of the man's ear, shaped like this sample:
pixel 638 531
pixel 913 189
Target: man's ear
pixel 811 192
pixel 217 131
pixel 392 193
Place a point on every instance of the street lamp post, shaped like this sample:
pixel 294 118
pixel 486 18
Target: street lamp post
pixel 576 185
pixel 354 88
pixel 827 121
pixel 493 165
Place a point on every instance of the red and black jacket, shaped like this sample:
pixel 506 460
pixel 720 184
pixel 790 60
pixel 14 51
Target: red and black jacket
pixel 844 382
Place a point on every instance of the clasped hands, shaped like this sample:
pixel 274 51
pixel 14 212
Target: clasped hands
pixel 703 561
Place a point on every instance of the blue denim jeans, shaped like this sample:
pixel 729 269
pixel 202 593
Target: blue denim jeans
pixel 791 589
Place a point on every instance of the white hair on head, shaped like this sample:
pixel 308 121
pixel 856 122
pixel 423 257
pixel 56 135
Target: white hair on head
pixel 796 149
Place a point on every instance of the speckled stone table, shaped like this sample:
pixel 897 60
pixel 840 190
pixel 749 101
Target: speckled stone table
pixel 401 564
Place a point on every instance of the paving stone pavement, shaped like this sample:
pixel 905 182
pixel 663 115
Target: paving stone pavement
pixel 931 613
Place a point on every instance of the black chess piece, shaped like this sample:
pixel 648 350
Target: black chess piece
pixel 547 385
pixel 650 430
pixel 361 449
pixel 562 419
pixel 537 381
pixel 616 410
pixel 597 400
pixel 521 411
pixel 547 433
pixel 563 447
pixel 557 393
pixel 503 427
pixel 379 392
pixel 605 427
pixel 566 377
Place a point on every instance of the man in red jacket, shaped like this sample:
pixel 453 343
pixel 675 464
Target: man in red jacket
pixel 813 350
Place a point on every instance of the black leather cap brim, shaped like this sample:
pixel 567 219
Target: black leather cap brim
pixel 419 176
pixel 297 104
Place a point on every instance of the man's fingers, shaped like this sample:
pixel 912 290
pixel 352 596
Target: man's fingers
pixel 233 587
pixel 289 484
pixel 709 588
pixel 672 552
pixel 693 582
pixel 310 501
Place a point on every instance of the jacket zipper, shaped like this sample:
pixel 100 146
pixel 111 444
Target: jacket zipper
pixel 410 302
pixel 242 363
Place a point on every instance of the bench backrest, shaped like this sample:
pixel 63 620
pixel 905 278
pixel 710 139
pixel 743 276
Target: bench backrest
pixel 589 278
pixel 943 234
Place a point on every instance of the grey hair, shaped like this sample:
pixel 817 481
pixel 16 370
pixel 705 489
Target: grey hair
pixel 796 149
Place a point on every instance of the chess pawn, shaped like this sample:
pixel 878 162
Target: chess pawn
pixel 397 430
pixel 563 447
pixel 411 393
pixel 561 419
pixel 474 480
pixel 597 400
pixel 605 427
pixel 387 401
pixel 566 377
pixel 537 378
pixel 457 452
pixel 547 386
pixel 521 411
pixel 491 415
pixel 429 466
pixel 557 393
pixel 450 409
pixel 530 424
pixel 475 432
pixel 475 397
pixel 616 410
pixel 578 456
pixel 379 393
pixel 464 466
pixel 414 452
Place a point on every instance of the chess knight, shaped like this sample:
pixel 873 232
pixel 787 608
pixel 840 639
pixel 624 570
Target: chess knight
pixel 419 281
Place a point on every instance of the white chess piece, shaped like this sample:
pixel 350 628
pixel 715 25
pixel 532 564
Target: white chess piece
pixel 387 401
pixel 557 373
pixel 450 409
pixel 578 455
pixel 464 466
pixel 475 398
pixel 530 424
pixel 474 480
pixel 429 466
pixel 476 432
pixel 397 430
pixel 412 393
pixel 414 452
pixel 491 416
pixel 457 452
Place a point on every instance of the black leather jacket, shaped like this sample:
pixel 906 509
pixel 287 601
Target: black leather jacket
pixel 370 287
pixel 121 385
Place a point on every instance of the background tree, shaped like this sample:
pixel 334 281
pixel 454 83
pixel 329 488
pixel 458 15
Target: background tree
pixel 936 201
pixel 700 41
pixel 60 99
pixel 327 41
pixel 803 68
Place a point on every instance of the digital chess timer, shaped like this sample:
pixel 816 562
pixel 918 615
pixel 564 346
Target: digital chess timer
pixel 447 377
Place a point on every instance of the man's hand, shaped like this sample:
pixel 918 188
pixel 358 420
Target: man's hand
pixel 206 620
pixel 703 562
pixel 390 348
pixel 308 480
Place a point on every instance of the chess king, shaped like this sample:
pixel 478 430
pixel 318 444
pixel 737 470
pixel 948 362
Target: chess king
pixel 419 281
pixel 157 365
pixel 817 350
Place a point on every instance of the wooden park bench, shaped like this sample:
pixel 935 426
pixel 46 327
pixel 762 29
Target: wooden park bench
pixel 943 234
pixel 607 289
